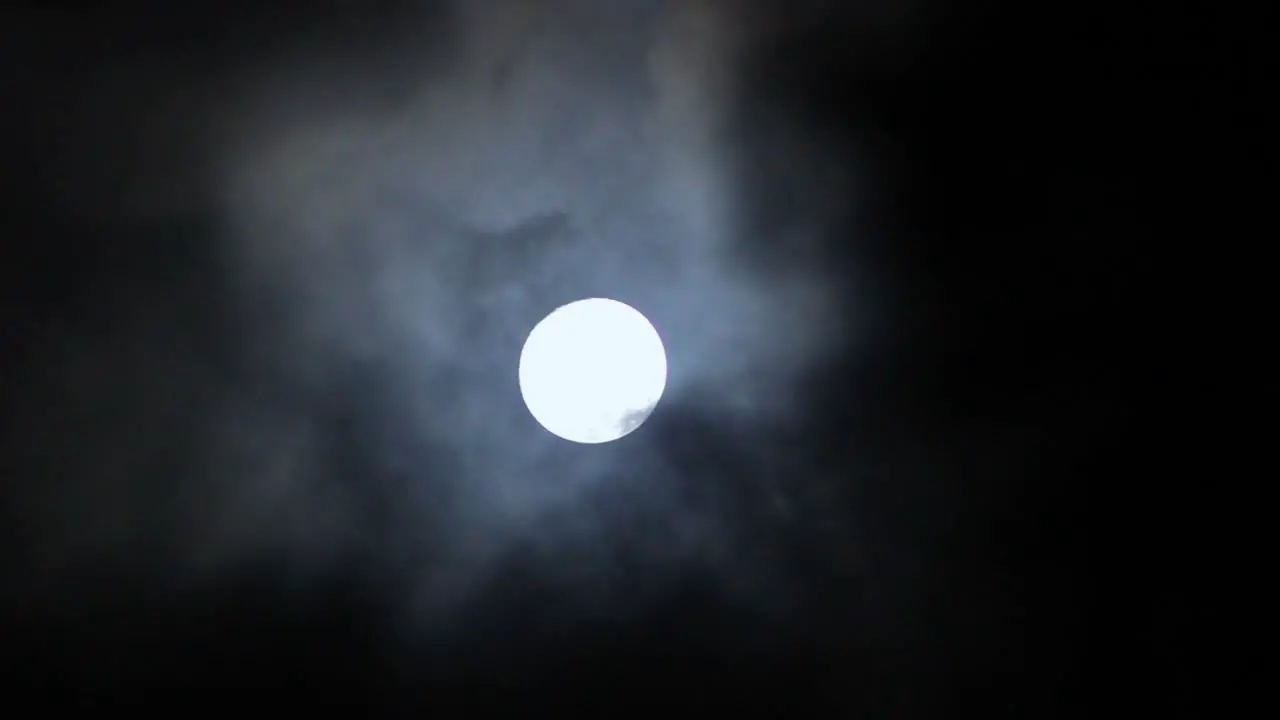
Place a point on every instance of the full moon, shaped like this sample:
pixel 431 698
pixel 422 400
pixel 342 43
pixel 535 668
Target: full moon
pixel 593 370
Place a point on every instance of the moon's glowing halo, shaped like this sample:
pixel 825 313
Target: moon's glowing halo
pixel 593 370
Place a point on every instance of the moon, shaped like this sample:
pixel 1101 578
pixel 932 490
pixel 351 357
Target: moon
pixel 593 371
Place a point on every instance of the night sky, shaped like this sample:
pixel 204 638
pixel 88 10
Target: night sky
pixel 266 272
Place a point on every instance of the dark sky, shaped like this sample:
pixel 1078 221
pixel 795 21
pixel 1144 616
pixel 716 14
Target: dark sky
pixel 266 271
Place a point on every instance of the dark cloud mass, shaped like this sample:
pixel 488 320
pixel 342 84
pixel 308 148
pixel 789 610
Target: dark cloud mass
pixel 268 268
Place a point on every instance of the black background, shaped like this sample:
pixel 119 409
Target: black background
pixel 1030 172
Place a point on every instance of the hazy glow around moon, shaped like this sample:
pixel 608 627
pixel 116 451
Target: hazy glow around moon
pixel 593 370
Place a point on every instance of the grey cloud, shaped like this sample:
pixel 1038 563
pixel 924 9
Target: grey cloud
pixel 554 153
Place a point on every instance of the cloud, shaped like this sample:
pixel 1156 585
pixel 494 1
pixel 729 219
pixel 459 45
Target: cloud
pixel 383 256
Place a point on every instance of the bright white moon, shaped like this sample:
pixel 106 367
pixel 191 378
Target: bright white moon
pixel 593 370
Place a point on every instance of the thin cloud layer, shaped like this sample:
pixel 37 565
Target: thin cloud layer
pixel 381 253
